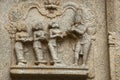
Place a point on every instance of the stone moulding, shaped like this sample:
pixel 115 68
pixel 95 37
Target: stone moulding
pixel 49 71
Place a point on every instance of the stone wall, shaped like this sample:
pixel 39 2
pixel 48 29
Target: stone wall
pixel 99 17
pixel 113 7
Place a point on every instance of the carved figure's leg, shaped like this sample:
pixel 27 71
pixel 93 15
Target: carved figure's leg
pixel 86 48
pixel 53 52
pixel 20 53
pixel 77 51
pixel 39 53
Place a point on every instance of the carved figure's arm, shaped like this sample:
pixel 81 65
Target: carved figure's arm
pixel 17 37
pixel 28 38
pixel 45 35
pixel 35 37
pixel 52 35
pixel 81 32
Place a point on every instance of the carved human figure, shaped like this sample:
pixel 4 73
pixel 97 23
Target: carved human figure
pixel 83 45
pixel 21 38
pixel 39 37
pixel 55 33
pixel 84 40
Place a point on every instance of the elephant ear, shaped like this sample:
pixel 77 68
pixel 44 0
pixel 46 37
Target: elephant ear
pixel 67 19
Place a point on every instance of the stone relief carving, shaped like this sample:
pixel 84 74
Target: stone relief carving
pixel 39 35
pixel 63 22
pixel 55 33
pixel 84 41
pixel 21 37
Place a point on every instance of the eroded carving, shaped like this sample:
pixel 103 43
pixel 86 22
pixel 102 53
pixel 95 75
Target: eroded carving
pixel 39 36
pixel 21 37
pixel 83 44
pixel 55 33
pixel 65 21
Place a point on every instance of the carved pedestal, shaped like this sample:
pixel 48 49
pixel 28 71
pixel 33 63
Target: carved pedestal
pixel 36 73
pixel 35 70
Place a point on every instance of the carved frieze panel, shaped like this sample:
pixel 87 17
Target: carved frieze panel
pixel 51 35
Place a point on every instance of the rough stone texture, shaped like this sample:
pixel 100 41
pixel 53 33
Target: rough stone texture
pixel 101 55
pixel 5 47
pixel 113 22
pixel 98 60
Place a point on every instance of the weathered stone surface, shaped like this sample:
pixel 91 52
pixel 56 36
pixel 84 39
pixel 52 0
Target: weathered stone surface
pixel 114 37
pixel 56 39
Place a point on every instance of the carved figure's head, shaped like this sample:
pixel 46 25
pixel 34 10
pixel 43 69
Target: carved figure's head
pixel 38 26
pixel 52 5
pixel 21 27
